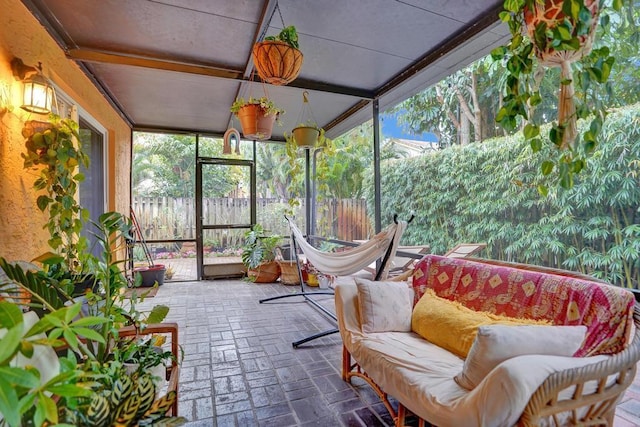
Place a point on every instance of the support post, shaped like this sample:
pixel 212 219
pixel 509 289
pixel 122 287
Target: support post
pixel 376 167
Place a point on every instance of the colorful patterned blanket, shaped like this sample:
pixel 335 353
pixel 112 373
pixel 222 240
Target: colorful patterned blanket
pixel 604 309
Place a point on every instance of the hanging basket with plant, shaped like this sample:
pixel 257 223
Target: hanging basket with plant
pixel 277 59
pixel 307 134
pixel 555 33
pixel 257 116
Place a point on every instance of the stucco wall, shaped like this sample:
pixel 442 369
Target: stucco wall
pixel 21 35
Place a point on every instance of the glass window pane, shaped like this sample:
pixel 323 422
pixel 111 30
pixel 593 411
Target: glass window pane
pixel 92 191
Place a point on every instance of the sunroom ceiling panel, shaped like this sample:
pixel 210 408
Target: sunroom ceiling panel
pixel 157 98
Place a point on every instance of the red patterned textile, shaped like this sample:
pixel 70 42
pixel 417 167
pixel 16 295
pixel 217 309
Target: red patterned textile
pixel 605 310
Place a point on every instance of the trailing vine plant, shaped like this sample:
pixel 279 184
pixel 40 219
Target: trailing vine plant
pixel 55 152
pixel 556 33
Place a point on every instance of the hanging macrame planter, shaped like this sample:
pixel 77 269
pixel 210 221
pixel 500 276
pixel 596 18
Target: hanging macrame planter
pixel 276 62
pixel 550 13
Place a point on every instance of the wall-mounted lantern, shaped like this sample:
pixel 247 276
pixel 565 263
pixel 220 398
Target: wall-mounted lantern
pixel 37 93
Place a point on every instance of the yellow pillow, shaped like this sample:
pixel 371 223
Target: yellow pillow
pixel 452 326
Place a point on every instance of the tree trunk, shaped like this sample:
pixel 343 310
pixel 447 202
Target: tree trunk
pixel 465 130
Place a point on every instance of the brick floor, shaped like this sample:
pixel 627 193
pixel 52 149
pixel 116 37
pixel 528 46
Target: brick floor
pixel 240 369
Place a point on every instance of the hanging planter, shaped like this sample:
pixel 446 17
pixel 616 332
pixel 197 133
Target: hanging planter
pixel 278 58
pixel 306 136
pixel 255 122
pixel 277 62
pixel 256 116
pixel 544 22
pixel 554 33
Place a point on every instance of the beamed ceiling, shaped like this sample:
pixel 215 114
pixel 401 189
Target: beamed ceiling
pixel 179 64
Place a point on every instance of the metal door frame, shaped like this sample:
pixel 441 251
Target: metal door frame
pixel 200 227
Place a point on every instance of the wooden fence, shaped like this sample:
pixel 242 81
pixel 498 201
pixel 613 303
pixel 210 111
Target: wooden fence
pixel 170 218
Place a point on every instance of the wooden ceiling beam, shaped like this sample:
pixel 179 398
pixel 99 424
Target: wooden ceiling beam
pixel 118 58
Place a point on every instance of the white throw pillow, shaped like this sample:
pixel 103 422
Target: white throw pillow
pixel 496 343
pixel 384 306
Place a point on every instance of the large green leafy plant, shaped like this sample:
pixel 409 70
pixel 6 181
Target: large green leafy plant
pixel 56 154
pixel 565 41
pixel 95 365
pixel 259 247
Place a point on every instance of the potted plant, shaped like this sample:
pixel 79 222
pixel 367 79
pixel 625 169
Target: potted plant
pixel 555 33
pixel 307 135
pixel 151 275
pixel 67 389
pixel 322 146
pixel 278 59
pixel 52 150
pixel 258 255
pixel 257 116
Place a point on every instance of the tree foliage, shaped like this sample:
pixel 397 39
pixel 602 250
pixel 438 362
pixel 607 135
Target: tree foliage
pixel 462 107
pixel 487 193
pixel 165 165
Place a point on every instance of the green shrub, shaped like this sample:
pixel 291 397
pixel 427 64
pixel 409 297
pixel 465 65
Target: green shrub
pixel 488 193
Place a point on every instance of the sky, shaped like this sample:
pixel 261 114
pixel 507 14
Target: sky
pixel 391 129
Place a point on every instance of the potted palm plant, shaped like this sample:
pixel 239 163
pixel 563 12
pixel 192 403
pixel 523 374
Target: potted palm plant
pixel 258 255
pixel 257 116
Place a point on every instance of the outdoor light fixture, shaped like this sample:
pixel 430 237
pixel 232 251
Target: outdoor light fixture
pixel 38 94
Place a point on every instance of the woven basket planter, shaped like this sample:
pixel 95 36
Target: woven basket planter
pixel 306 136
pixel 267 272
pixel 255 124
pixel 289 272
pixel 276 62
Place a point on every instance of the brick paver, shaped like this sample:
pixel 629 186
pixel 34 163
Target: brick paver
pixel 240 369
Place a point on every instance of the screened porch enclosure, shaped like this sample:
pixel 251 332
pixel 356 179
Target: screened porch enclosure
pixel 194 204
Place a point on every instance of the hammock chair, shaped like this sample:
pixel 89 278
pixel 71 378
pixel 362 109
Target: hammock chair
pixel 382 245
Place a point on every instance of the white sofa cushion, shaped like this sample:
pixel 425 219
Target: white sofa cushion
pixel 496 343
pixel 384 306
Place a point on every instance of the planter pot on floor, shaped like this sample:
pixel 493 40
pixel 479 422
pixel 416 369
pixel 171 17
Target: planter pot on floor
pixel 151 275
pixel 267 272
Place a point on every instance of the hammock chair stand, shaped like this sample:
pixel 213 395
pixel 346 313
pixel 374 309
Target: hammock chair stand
pixel 307 295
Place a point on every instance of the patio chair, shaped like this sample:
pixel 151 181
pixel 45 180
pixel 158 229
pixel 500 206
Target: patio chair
pixel 464 250
pixel 402 261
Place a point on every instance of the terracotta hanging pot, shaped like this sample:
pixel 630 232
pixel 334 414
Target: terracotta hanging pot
pixel 306 136
pixel 255 124
pixel 276 62
pixel 550 13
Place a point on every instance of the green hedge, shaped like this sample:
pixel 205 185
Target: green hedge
pixel 487 193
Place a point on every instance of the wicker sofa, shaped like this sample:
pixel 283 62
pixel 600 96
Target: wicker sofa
pixel 540 388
